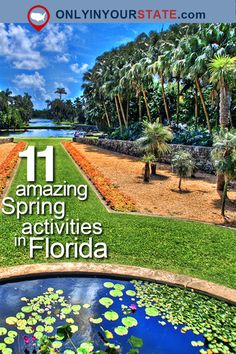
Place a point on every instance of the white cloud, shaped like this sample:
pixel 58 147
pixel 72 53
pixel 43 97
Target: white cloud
pixel 79 69
pixel 71 79
pixel 63 58
pixel 18 46
pixel 35 84
pixel 56 37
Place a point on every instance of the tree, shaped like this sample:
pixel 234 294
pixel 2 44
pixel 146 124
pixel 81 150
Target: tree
pixel 183 165
pixel 147 159
pixel 154 140
pixel 224 159
pixel 61 91
pixel 223 75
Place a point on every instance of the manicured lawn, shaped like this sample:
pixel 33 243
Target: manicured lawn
pixel 190 248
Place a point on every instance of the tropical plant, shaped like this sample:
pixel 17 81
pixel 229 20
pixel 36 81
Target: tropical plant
pixel 61 91
pixel 223 74
pixel 183 165
pixel 147 159
pixel 154 140
pixel 224 159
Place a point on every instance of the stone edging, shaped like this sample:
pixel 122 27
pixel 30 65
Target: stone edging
pixel 6 140
pixel 201 154
pixel 123 271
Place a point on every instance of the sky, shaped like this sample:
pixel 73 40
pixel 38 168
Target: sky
pixel 39 62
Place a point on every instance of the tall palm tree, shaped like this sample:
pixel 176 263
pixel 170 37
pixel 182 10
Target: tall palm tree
pixel 61 91
pixel 154 140
pixel 223 74
pixel 224 158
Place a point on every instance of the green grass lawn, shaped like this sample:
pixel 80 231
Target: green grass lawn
pixel 190 248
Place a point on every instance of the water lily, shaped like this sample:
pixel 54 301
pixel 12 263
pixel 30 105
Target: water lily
pixel 26 340
pixel 133 308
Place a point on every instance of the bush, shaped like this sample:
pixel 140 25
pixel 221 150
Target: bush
pixel 183 165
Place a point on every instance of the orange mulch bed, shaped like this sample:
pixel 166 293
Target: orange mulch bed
pixel 116 199
pixel 9 156
pixel 198 201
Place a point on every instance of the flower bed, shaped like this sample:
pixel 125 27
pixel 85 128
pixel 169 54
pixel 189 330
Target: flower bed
pixel 7 167
pixel 116 199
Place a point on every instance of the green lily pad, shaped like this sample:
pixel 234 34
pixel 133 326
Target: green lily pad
pixel 130 293
pixel 56 345
pixel 3 331
pixel 136 342
pixel 129 321
pixel 95 320
pixel 151 311
pixel 9 340
pixel 116 293
pixel 106 301
pixel 11 320
pixel 108 285
pixel 121 330
pixel 27 309
pixel 111 315
pixel 119 287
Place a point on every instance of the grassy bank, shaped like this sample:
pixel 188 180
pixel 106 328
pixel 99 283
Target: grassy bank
pixel 190 248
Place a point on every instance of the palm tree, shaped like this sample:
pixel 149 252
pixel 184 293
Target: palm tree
pixel 223 74
pixel 154 140
pixel 224 158
pixel 183 165
pixel 147 159
pixel 61 91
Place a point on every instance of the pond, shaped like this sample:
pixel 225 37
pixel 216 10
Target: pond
pixel 89 314
pixel 46 132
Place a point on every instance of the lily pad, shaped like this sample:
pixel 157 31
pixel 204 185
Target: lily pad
pixel 108 285
pixel 129 321
pixel 151 311
pixel 121 330
pixel 111 315
pixel 106 301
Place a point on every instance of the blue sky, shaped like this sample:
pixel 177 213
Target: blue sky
pixel 57 56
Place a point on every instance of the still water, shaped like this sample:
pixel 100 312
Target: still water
pixel 47 132
pixel 32 307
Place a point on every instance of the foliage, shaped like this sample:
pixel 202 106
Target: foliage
pixel 8 165
pixel 182 164
pixel 164 75
pixel 203 315
pixel 68 111
pixel 49 323
pixel 224 159
pixel 224 153
pixel 155 137
pixel 190 136
pixel 116 199
pixel 15 111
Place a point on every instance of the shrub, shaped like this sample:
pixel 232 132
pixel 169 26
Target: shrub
pixel 183 165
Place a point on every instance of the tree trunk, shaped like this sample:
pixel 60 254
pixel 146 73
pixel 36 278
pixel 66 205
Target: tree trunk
pixel 164 98
pixel 146 177
pixel 154 168
pixel 107 116
pixel 127 111
pixel 177 103
pixel 180 183
pixel 139 108
pixel 225 103
pixel 203 104
pixel 224 195
pixel 220 182
pixel 118 114
pixel 122 110
pixel 146 104
pixel 196 114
